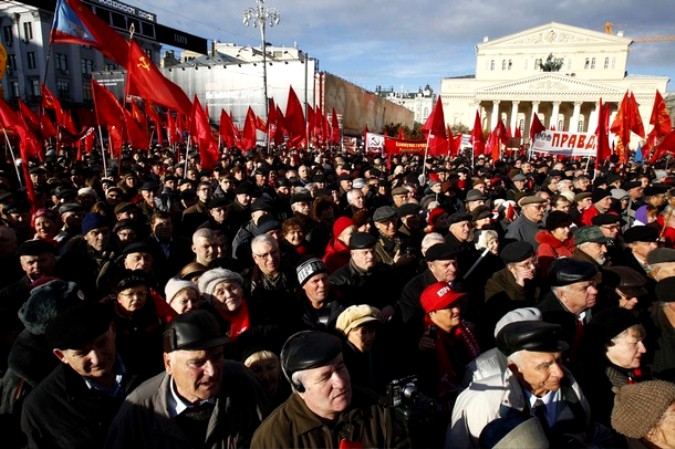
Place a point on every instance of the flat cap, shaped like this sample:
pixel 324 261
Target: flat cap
pixel 517 315
pixel 441 251
pixel 355 316
pixel 606 219
pixel 532 199
pixel 362 240
pixel 535 336
pixel 124 207
pixel 599 194
pixel 665 289
pixel 519 177
pixel 586 234
pixel 582 196
pixel 568 271
pixel 261 204
pixel 70 207
pixel 79 325
pixel 654 190
pixel 641 234
pixel 137 247
pixel 244 188
pixel 475 195
pixel 661 255
pixel 408 209
pixel 399 191
pixel 627 280
pixel 196 329
pixel 308 349
pixel 301 197
pixel 384 213
pixel 215 203
pixel 35 248
pixel 516 252
pixel 458 217
pixel 481 212
pixel 149 186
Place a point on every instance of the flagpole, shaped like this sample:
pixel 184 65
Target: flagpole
pixel 424 163
pixel 100 136
pixel 187 149
pixel 11 151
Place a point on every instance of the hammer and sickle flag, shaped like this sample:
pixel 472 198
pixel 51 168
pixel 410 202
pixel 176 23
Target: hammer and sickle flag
pixel 145 80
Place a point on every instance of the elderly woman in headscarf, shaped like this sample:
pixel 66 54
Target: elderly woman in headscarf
pixel 223 289
pixel 47 224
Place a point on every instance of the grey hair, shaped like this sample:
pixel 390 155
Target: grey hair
pixel 202 233
pixel 516 358
pixel 265 238
pixel 430 240
pixel 351 193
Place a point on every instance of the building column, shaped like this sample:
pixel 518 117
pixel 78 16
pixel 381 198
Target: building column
pixel 593 119
pixel 553 122
pixel 495 115
pixel 574 123
pixel 514 116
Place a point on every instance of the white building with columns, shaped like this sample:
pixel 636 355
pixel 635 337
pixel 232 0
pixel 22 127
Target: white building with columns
pixel 510 85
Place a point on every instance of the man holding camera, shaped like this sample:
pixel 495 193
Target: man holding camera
pixel 324 410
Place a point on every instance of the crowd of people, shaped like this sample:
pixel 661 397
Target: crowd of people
pixel 323 298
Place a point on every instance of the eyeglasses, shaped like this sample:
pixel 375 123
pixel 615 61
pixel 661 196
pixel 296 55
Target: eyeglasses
pixel 140 294
pixel 268 254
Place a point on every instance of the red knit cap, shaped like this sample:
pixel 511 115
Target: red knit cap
pixel 340 225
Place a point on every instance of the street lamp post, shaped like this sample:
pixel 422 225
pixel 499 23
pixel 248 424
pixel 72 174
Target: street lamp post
pixel 259 16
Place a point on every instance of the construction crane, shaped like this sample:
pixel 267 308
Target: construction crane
pixel 609 29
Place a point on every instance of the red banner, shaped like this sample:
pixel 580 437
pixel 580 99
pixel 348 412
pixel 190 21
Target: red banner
pixel 396 146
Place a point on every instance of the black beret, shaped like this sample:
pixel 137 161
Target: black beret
pixel 149 186
pixel 308 349
pixel 78 326
pixel 641 234
pixel 267 223
pixel 481 212
pixel 632 185
pixel 384 213
pixel 458 217
pixel 362 240
pixel 66 193
pixel 124 224
pixel 606 219
pixel 125 206
pixel 35 248
pixel 599 194
pixel 217 202
pixel 441 251
pixel 261 204
pixel 567 271
pixel 197 329
pixel 136 247
pixel 609 323
pixel 536 336
pixel 665 289
pixel 244 187
pixel 37 170
pixel 131 278
pixel 170 178
pixel 344 177
pixel 654 190
pixel 283 182
pixel 408 209
pixel 300 197
pixel 516 252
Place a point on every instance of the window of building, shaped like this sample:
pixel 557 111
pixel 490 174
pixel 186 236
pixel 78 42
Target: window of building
pixel 613 63
pixel 14 89
pixel 503 64
pixel 27 31
pixel 148 53
pixel 592 63
pixel 35 87
pixel 525 64
pixel 61 62
pixel 606 64
pixel 87 66
pixel 30 60
pixel 11 62
pixel 7 35
pixel 580 125
pixel 87 94
pixel 587 64
pixel 561 124
pixel 63 88
pixel 426 112
pixel 492 64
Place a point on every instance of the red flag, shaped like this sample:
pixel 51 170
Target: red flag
pixel 626 120
pixel 75 23
pixel 31 119
pixel 88 140
pixel 667 145
pixel 201 132
pixel 271 120
pixel 259 123
pixel 518 134
pixel 182 125
pixel 502 133
pixel 116 140
pixel 152 114
pixel 493 148
pixel 137 137
pixel 434 130
pixel 477 136
pixel 47 129
pixel 335 126
pixel 171 130
pixel 281 127
pixel 248 137
pixel 535 127
pixel 226 129
pixel 145 80
pixel 68 123
pixel 49 101
pixel 108 110
pixel 400 134
pixel 365 132
pixel 635 119
pixel 602 138
pixel 661 124
pixel 311 135
pixel 295 122
pixel 141 120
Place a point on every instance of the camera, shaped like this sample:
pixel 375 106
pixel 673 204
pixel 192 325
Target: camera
pixel 418 411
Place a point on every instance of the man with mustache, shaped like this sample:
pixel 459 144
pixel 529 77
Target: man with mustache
pixel 201 400
pixel 324 410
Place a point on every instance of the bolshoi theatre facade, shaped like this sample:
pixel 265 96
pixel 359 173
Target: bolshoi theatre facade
pixel 511 85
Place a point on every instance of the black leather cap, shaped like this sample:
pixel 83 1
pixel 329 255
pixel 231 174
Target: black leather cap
pixel 197 329
pixel 568 271
pixel 665 289
pixel 458 217
pixel 441 251
pixel 535 336
pixel 362 240
pixel 641 234
pixel 308 349
pixel 78 326
pixel 515 252
pixel 627 280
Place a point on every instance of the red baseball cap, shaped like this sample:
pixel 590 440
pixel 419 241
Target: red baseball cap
pixel 438 296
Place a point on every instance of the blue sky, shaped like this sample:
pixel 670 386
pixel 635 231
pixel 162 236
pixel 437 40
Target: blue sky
pixel 408 44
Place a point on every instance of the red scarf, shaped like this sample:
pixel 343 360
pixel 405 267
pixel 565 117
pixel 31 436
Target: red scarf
pixel 239 320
